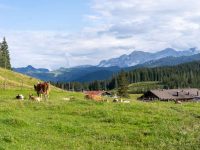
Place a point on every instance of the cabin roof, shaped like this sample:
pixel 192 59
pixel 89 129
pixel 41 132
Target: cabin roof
pixel 176 93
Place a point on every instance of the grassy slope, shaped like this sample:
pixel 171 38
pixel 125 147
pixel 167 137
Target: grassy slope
pixel 14 80
pixel 17 81
pixel 82 124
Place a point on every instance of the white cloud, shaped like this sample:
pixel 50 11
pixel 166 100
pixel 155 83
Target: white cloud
pixel 152 24
pixel 116 27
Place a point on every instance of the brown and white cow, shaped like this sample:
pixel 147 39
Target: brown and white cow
pixel 42 89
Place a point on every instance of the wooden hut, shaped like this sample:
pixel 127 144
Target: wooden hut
pixel 172 94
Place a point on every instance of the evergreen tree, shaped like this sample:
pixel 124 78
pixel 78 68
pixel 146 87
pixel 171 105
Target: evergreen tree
pixel 181 76
pixel 122 85
pixel 105 85
pixel 1 56
pixel 4 55
pixel 116 82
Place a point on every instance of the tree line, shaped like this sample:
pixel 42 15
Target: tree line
pixel 181 76
pixel 4 55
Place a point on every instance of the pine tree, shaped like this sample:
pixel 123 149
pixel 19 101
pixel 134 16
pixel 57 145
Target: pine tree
pixel 4 55
pixel 116 82
pixel 105 85
pixel 1 56
pixel 122 85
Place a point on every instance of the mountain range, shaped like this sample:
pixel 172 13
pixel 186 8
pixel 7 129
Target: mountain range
pixel 30 69
pixel 140 57
pixel 167 61
pixel 80 74
pixel 106 69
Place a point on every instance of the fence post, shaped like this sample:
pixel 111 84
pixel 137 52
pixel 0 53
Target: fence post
pixel 5 84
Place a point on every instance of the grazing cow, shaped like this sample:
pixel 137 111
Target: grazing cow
pixel 126 101
pixel 20 97
pixel 42 89
pixel 34 98
pixel 115 100
pixel 178 102
pixel 96 98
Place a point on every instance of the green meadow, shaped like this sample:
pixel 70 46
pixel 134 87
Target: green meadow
pixel 78 123
pixel 60 123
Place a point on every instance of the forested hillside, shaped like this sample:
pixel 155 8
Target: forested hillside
pixel 185 75
pixel 180 76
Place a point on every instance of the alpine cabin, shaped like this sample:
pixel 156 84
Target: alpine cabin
pixel 172 94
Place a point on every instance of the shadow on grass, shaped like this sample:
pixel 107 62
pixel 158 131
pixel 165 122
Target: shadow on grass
pixel 14 122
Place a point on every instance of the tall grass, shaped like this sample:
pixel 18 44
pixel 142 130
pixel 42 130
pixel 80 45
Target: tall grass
pixel 82 124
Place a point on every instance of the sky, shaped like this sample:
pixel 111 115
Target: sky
pixel 67 33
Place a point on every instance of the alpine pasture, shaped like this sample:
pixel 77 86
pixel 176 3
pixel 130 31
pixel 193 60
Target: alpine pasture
pixel 68 121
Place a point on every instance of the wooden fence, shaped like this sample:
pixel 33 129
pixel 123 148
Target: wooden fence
pixel 5 85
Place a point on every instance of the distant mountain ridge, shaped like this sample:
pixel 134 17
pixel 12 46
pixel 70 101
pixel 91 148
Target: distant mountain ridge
pixel 80 74
pixel 31 69
pixel 167 61
pixel 140 57
pixel 89 73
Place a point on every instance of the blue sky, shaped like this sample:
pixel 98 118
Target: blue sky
pixel 43 14
pixel 67 33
